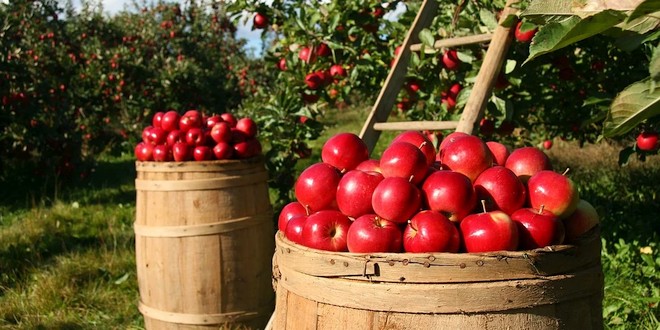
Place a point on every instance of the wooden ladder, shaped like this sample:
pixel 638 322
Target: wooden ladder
pixel 481 91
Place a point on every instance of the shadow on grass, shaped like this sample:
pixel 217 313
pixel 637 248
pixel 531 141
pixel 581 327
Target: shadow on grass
pixel 18 258
pixel 110 181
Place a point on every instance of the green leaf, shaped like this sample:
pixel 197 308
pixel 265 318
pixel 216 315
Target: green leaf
pixel 654 65
pixel 642 24
pixel 644 8
pixel 633 105
pixel 426 37
pixel 488 18
pixel 510 66
pixel 548 8
pixel 557 35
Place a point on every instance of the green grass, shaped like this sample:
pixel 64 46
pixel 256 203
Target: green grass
pixel 68 262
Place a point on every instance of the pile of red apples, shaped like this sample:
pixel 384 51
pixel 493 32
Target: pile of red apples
pixel 195 136
pixel 465 196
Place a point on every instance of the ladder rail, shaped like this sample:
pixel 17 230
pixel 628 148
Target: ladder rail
pixel 396 77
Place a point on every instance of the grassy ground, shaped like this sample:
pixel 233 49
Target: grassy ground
pixel 68 263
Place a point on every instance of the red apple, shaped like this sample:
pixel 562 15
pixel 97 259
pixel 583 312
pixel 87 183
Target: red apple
pixel 554 192
pixel 294 229
pixel 221 132
pixel 190 119
pixel 316 187
pixel 144 152
pixel 237 136
pixel 344 151
pixel 323 50
pixel 223 150
pixel 547 144
pixel 212 120
pixel 157 119
pixel 175 136
pixel 396 199
pixel 450 193
pixel 537 228
pixel 260 21
pixel 247 126
pixel 647 141
pixel 201 153
pixel 524 36
pixel 337 71
pixel 468 155
pixel 195 137
pixel 451 138
pixel 181 152
pixel 170 121
pixel 501 189
pixel 162 153
pixel 450 60
pixel 454 90
pixel 248 148
pixel 314 81
pixel 326 230
pixel 281 64
pixel 372 234
pixel 489 231
pixel 583 219
pixel 419 140
pixel 289 211
pixel 430 231
pixel 527 161
pixel 157 135
pixel 355 190
pixel 306 55
pixel 369 165
pixel 404 160
pixel 229 118
pixel 500 152
pixel 486 127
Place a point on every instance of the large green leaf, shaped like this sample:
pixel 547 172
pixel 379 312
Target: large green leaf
pixel 644 8
pixel 634 104
pixel 654 65
pixel 556 35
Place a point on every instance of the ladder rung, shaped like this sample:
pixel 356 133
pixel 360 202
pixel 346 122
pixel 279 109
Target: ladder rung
pixel 455 42
pixel 415 125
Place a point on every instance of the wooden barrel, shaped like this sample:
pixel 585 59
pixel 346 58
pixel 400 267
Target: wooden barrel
pixel 558 287
pixel 204 244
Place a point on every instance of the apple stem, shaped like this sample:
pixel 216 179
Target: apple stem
pixel 483 205
pixel 541 208
pixel 566 171
pixel 411 178
pixel 422 145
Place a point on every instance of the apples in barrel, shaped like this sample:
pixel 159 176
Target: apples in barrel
pixel 466 196
pixel 213 137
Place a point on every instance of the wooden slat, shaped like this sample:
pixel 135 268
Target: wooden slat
pixel 416 125
pixel 397 75
pixel 456 42
pixel 490 68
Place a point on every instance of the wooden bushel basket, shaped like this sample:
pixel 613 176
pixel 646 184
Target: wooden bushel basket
pixel 203 244
pixel 557 287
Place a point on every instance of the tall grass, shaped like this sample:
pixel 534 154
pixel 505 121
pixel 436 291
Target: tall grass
pixel 68 262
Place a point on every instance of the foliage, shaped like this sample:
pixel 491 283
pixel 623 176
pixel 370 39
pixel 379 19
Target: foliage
pixel 632 24
pixel 564 93
pixel 76 84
